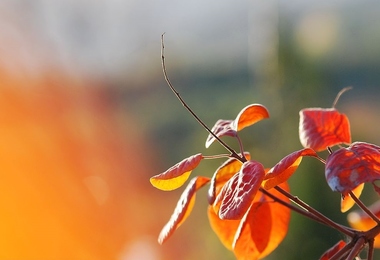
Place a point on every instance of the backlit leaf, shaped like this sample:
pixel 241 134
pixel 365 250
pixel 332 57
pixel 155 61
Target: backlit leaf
pixel 347 168
pixel 320 128
pixel 221 128
pixel 223 174
pixel 286 167
pixel 333 250
pixel 183 209
pixel 259 232
pixel 246 117
pixel 253 233
pixel 249 116
pixel 359 220
pixel 237 194
pixel 347 202
pixel 263 228
pixel 225 229
pixel 177 175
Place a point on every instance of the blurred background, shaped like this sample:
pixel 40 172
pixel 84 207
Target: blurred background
pixel 86 117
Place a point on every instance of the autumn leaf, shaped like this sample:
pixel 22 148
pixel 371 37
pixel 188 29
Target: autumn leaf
pixel 225 229
pixel 347 202
pixel 333 250
pixel 263 228
pixel 286 167
pixel 347 168
pixel 221 128
pixel 249 115
pixel 246 117
pixel 320 128
pixel 177 175
pixel 359 220
pixel 183 209
pixel 259 232
pixel 237 193
pixel 223 174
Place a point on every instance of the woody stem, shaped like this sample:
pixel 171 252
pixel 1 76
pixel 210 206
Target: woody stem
pixel 322 218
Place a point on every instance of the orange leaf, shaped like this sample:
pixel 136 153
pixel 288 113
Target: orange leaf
pixel 286 167
pixel 333 250
pixel 183 209
pixel 346 168
pixel 359 220
pixel 253 233
pixel 347 202
pixel 259 232
pixel 221 128
pixel 320 128
pixel 223 174
pixel 237 194
pixel 177 175
pixel 225 229
pixel 249 115
pixel 263 228
pixel 246 117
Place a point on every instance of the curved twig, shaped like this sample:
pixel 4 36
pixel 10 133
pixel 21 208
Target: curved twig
pixel 232 151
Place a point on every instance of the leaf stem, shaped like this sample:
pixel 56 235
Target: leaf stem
pixel 228 148
pixel 370 249
pixel 342 252
pixel 356 248
pixel 217 156
pixel 240 145
pixel 364 208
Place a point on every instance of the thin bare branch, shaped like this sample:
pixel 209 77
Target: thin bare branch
pixel 339 94
pixel 316 213
pixel 300 211
pixel 227 147
pixel 370 249
pixel 364 208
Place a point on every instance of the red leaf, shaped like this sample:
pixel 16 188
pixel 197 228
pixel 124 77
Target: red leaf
pixel 246 117
pixel 263 228
pixel 237 194
pixel 347 168
pixel 223 174
pixel 176 176
pixel 221 128
pixel 259 232
pixel 225 229
pixel 320 128
pixel 333 250
pixel 286 167
pixel 183 209
pixel 249 115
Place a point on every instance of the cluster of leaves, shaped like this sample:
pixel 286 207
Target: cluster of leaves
pixel 249 205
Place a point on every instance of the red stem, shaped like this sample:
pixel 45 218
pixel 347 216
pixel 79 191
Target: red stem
pixel 316 213
pixel 359 244
pixel 370 249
